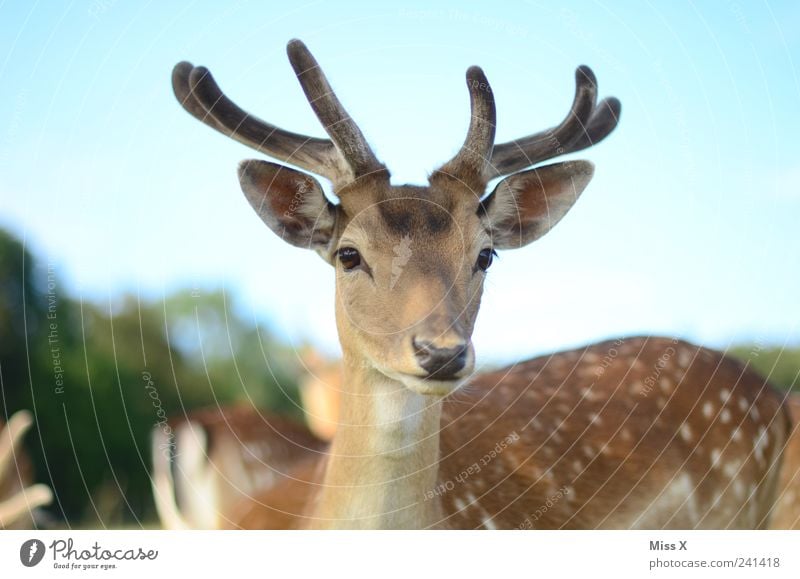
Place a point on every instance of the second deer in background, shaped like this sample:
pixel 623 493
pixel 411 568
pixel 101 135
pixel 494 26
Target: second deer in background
pixel 221 459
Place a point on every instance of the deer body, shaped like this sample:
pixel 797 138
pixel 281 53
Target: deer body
pixel 563 442
pixel 218 456
pixel 567 446
pixel 208 463
pixel 599 447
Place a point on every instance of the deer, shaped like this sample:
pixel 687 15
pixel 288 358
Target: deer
pixel 208 463
pixel 319 392
pixel 19 497
pixel 640 432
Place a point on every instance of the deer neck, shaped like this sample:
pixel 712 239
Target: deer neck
pixel 383 458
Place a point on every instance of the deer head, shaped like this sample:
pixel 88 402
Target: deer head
pixel 410 260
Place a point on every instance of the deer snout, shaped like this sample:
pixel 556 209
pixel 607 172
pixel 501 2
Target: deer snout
pixel 441 363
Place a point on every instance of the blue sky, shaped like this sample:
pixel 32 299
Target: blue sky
pixel 690 226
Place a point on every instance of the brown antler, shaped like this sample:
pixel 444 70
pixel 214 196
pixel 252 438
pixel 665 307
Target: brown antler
pixel 469 163
pixel 23 498
pixel 342 159
pixel 586 124
pixel 344 132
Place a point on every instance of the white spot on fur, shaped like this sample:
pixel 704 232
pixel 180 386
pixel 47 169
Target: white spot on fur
pixel 736 435
pixel 679 493
pixel 761 441
pixel 715 456
pixel 486 519
pixel 738 488
pixel 743 404
pixel 725 416
pixel 708 409
pixel 685 483
pixel 754 413
pixel 724 395
pixel 686 432
pixel 665 384
pixel 684 358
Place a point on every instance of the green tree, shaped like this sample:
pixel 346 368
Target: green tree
pixel 100 377
pixel 780 365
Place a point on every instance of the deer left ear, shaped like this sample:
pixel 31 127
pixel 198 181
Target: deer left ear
pixel 525 206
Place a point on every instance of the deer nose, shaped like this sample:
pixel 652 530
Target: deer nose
pixel 440 363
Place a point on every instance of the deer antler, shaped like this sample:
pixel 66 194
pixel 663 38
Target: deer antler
pixel 26 499
pixel 11 437
pixel 586 124
pixel 343 158
pixel 469 163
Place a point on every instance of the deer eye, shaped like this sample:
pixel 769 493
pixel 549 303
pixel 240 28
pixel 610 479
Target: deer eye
pixel 349 258
pixel 485 258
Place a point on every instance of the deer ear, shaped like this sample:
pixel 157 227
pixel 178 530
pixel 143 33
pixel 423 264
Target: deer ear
pixel 291 203
pixel 525 206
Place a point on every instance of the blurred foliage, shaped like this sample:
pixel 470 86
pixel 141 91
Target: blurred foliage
pixel 780 365
pixel 83 369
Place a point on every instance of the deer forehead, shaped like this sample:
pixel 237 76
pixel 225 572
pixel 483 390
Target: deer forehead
pixel 405 219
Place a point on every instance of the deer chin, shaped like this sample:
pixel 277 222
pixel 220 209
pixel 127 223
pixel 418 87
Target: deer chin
pixel 428 386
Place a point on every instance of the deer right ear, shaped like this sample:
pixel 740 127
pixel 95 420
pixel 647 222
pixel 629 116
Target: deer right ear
pixel 526 205
pixel 291 203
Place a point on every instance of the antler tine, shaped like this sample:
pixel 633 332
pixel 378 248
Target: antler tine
pixel 11 437
pixel 604 120
pixel 200 95
pixel 576 127
pixel 343 131
pixel 476 151
pixel 187 99
pixel 22 503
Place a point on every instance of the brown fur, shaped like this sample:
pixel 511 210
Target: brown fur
pixel 223 456
pixel 519 448
pixel 787 508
